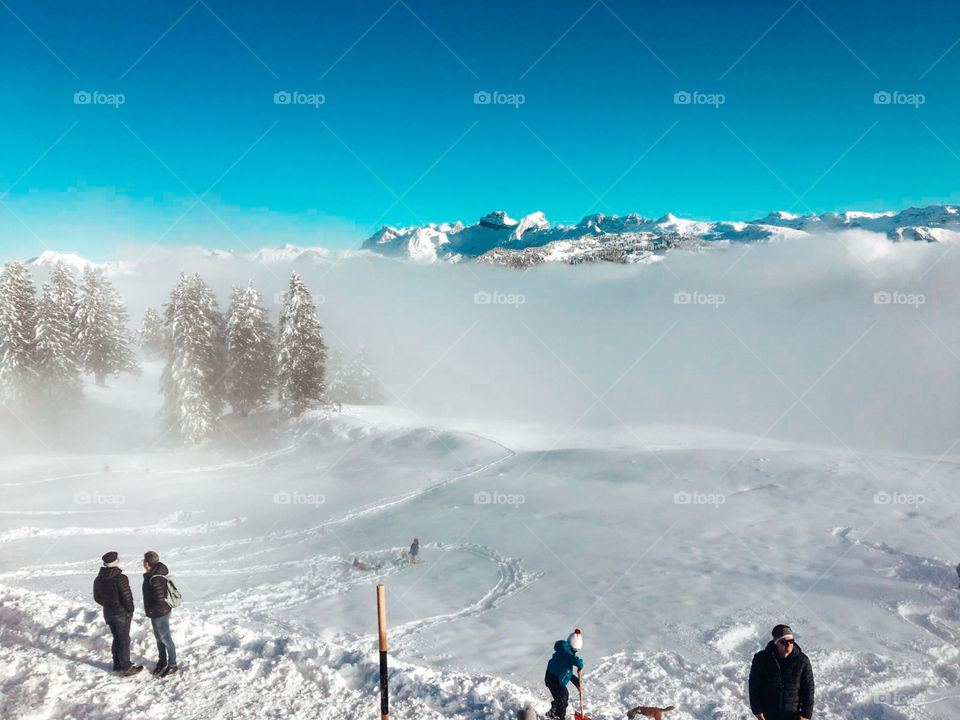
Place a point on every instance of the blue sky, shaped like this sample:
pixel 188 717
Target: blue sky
pixel 399 139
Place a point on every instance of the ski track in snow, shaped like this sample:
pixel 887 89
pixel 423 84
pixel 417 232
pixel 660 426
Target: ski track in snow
pixel 44 628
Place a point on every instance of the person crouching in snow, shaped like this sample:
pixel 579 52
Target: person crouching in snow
pixel 560 672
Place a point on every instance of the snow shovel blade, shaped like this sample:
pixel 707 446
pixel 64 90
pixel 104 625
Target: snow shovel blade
pixel 578 716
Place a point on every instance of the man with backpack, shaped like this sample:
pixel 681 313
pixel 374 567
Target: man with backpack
pixel 111 590
pixel 159 596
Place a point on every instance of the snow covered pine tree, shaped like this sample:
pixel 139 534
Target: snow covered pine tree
pixel 150 335
pixel 250 352
pixel 18 327
pixel 301 353
pixel 55 351
pixel 351 380
pixel 193 376
pixel 103 339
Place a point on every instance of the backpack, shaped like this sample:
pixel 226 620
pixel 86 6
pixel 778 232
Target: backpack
pixel 173 598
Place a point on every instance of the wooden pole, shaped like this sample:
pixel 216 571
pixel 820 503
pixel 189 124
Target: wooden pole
pixel 382 618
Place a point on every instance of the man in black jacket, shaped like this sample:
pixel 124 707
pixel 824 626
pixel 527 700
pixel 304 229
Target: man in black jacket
pixel 781 680
pixel 111 590
pixel 156 608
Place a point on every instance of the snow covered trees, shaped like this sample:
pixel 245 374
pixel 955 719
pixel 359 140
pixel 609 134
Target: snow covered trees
pixel 301 352
pixel 193 378
pixel 103 338
pixel 352 381
pixel 54 352
pixel 18 327
pixel 150 335
pixel 250 352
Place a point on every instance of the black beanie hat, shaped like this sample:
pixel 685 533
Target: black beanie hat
pixel 782 631
pixel 110 557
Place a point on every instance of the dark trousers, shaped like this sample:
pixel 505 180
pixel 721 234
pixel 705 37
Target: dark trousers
pixel 120 627
pixel 561 697
pixel 161 631
pixel 782 715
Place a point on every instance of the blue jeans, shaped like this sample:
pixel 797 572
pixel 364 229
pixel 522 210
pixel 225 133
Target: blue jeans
pixel 161 631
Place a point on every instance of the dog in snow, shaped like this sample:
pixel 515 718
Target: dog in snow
pixel 654 713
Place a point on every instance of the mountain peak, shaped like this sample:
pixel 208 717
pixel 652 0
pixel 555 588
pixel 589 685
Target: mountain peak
pixel 498 220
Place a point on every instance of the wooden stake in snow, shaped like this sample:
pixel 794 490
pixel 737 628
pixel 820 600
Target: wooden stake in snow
pixel 382 617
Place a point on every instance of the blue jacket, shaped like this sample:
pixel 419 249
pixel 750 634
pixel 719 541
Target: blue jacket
pixel 563 660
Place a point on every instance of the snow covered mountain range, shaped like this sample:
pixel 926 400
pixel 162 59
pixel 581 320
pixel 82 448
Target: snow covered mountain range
pixel 499 239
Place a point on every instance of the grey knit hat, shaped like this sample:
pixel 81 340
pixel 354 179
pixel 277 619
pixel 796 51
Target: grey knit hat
pixel 151 558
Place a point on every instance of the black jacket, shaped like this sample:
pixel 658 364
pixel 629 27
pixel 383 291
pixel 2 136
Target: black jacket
pixel 111 589
pixel 154 591
pixel 781 685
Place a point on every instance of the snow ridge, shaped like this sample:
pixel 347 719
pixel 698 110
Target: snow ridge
pixel 500 240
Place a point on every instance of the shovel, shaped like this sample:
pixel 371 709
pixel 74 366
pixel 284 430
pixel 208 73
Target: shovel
pixel 580 715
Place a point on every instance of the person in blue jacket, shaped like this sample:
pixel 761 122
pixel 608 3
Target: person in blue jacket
pixel 560 672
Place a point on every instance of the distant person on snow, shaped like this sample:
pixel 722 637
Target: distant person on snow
pixel 781 680
pixel 958 571
pixel 156 608
pixel 415 551
pixel 358 564
pixel 560 672
pixel 111 590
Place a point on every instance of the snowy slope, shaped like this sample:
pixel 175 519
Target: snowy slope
pixel 675 549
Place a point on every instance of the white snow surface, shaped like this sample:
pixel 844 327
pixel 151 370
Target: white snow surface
pixel 675 549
